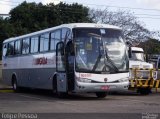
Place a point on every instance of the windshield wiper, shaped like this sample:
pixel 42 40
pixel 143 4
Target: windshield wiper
pixel 111 62
pixel 104 67
pixel 97 61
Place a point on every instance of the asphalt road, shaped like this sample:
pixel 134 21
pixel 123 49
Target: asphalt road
pixel 119 106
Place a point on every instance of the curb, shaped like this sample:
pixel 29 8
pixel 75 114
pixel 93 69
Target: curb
pixel 5 88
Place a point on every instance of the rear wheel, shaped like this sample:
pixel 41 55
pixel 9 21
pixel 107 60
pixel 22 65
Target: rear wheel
pixel 101 94
pixel 14 84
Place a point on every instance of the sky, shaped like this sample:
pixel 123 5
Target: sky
pixel 146 11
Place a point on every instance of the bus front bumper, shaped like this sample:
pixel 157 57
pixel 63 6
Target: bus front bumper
pixel 101 87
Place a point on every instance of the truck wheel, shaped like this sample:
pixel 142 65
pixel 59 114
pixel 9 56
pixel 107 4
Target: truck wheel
pixel 144 91
pixel 101 94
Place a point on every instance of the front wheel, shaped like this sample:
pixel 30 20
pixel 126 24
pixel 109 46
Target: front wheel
pixel 101 94
pixel 144 91
pixel 62 94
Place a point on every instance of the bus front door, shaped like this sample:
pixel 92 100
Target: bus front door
pixel 60 68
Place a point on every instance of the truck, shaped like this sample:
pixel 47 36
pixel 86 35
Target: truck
pixel 139 71
pixel 137 59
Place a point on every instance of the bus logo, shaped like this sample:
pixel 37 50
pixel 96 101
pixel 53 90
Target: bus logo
pixel 105 79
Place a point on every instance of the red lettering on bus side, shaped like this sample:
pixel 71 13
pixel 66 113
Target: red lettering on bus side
pixel 41 61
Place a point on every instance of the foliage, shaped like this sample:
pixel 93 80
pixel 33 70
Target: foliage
pixel 151 46
pixel 35 17
pixel 30 17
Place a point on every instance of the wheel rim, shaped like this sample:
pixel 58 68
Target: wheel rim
pixel 14 85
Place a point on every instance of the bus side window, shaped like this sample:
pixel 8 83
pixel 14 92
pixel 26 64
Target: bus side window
pixel 17 47
pixel 4 50
pixel 25 46
pixel 55 38
pixel 66 34
pixel 34 44
pixel 44 42
pixel 10 50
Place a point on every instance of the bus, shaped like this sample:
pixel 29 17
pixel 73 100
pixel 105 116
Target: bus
pixel 70 58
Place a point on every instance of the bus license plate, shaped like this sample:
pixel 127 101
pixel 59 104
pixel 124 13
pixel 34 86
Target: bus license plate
pixel 104 87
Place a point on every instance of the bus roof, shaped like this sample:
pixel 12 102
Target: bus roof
pixel 71 25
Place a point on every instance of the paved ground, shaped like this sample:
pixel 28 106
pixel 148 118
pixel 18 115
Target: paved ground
pixel 119 106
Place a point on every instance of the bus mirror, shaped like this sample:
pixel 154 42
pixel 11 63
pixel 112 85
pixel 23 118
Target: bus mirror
pixel 130 52
pixel 146 57
pixel 70 48
pixel 4 50
pixel 128 43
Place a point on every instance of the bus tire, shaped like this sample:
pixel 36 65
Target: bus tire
pixel 101 94
pixel 15 84
pixel 62 94
pixel 54 84
pixel 144 91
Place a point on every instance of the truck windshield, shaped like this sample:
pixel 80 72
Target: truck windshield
pixel 138 56
pixel 100 50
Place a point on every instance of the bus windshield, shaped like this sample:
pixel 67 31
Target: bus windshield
pixel 100 50
pixel 137 56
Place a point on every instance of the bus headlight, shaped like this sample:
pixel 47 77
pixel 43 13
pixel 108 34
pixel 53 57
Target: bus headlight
pixel 124 80
pixel 84 80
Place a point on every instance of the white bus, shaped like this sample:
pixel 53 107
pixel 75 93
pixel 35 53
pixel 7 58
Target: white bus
pixel 77 57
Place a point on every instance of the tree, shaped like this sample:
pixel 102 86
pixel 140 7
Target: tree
pixel 6 30
pixel 151 46
pixel 133 30
pixel 155 34
pixel 30 17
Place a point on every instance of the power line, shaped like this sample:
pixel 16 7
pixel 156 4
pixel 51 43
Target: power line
pixel 147 15
pixel 92 5
pixel 70 10
pixel 115 6
pixel 65 10
pixel 9 1
pixel 8 4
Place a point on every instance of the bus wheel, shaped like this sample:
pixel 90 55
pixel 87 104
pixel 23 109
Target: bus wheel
pixel 62 94
pixel 54 85
pixel 144 91
pixel 101 94
pixel 14 84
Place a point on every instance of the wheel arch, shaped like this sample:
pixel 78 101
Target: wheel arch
pixel 54 81
pixel 12 78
